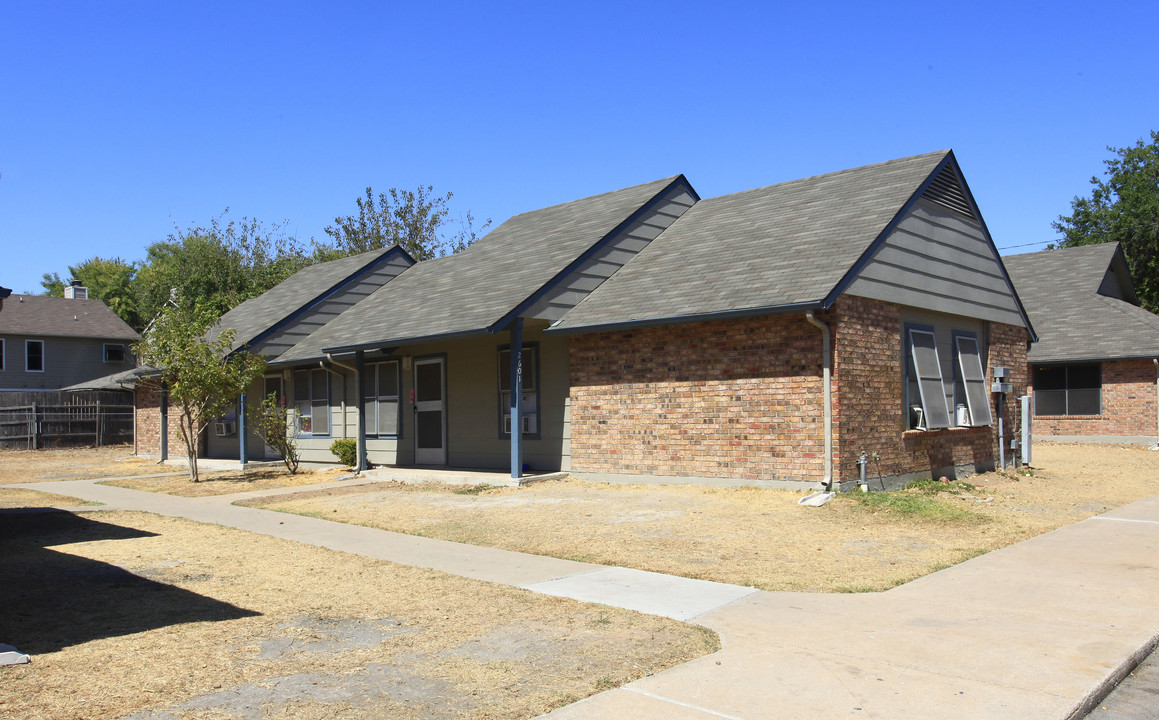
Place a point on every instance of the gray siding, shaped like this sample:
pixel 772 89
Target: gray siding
pixel 67 361
pixel 939 260
pixel 615 254
pixel 331 307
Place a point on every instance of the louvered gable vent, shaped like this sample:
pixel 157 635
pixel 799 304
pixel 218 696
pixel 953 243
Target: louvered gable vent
pixel 946 190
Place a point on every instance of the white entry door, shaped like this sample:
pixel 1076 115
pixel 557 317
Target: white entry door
pixel 430 412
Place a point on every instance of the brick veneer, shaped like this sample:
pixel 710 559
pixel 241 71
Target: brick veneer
pixel 743 398
pixel 1128 405
pixel 148 399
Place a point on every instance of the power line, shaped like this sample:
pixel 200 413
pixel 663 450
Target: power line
pixel 1040 242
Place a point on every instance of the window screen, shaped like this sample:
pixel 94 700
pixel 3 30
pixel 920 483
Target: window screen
pixel 927 368
pixel 1068 389
pixel 320 401
pixel 974 379
pixel 380 398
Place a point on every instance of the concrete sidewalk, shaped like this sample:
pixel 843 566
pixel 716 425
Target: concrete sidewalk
pixel 1042 629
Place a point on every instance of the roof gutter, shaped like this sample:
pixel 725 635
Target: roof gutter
pixel 827 381
pixel 406 341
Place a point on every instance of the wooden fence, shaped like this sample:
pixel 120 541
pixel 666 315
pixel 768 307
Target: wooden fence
pixel 32 420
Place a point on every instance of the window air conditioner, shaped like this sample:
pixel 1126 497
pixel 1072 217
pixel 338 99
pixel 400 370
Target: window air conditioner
pixel 226 428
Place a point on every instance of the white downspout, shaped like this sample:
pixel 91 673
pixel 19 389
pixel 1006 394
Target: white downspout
pixel 828 395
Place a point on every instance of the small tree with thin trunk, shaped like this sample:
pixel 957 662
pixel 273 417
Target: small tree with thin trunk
pixel 203 377
pixel 276 428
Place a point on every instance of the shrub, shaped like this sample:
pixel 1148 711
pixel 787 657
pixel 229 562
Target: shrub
pixel 346 450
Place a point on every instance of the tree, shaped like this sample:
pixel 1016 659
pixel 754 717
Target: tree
pixel 417 220
pixel 275 427
pixel 203 379
pixel 108 279
pixel 217 267
pixel 1124 208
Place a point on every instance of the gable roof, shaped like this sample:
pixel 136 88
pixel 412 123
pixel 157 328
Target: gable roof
pixel 42 316
pixel 791 246
pixel 479 289
pixel 1075 321
pixel 256 317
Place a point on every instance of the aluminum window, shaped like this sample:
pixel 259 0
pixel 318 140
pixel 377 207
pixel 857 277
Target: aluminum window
pixel 34 355
pixel 114 353
pixel 1068 389
pixel 312 401
pixel 929 403
pixel 973 379
pixel 380 383
pixel 1 354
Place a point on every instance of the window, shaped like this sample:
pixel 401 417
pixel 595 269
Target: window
pixel 380 398
pixel 970 381
pixel 114 353
pixel 942 377
pixel 530 405
pixel 1 354
pixel 34 355
pixel 1068 389
pixel 312 401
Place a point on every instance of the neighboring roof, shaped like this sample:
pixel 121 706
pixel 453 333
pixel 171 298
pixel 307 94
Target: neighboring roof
pixel 786 246
pixel 42 316
pixel 124 380
pixel 474 291
pixel 256 316
pixel 1060 290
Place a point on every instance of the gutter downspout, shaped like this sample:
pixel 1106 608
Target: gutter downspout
pixel 828 394
pixel 360 439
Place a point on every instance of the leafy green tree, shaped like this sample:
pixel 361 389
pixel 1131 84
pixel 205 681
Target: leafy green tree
pixel 417 220
pixel 204 380
pixel 1123 207
pixel 108 279
pixel 275 426
pixel 217 267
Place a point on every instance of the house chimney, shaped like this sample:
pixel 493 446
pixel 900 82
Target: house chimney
pixel 76 291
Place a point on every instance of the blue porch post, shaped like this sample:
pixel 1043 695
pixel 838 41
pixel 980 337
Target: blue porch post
pixel 516 398
pixel 359 368
pixel 241 428
pixel 164 450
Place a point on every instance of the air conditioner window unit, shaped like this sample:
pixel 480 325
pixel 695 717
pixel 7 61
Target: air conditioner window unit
pixel 226 428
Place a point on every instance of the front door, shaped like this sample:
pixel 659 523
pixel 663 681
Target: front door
pixel 273 385
pixel 430 410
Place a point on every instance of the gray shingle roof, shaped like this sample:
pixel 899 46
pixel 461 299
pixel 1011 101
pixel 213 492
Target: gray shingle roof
pixel 1059 289
pixel 472 290
pixel 771 247
pixel 38 315
pixel 257 315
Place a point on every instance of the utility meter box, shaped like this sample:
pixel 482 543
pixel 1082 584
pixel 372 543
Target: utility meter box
pixel 1001 373
pixel 1001 387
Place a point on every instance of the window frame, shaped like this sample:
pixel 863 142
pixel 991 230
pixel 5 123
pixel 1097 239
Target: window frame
pixel 376 398
pixel 43 361
pixel 1067 389
pixel 311 402
pixel 2 349
pixel 961 387
pixel 124 353
pixel 910 329
pixel 505 395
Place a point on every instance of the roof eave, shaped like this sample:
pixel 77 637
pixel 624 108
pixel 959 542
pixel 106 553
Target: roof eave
pixel 692 318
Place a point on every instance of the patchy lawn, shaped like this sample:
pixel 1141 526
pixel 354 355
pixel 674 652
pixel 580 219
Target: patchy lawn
pixel 130 614
pixel 22 466
pixel 757 537
pixel 227 483
pixel 23 498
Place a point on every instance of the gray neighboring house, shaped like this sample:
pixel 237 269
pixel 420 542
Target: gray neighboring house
pixel 49 343
pixel 1094 371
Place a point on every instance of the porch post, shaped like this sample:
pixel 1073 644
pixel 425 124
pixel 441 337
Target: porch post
pixel 516 398
pixel 359 367
pixel 164 440
pixel 241 428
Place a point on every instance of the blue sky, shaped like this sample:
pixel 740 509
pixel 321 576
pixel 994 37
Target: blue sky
pixel 121 120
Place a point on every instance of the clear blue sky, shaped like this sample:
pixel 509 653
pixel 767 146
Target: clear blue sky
pixel 120 120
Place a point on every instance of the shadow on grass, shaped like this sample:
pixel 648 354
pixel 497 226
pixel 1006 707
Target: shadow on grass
pixel 52 599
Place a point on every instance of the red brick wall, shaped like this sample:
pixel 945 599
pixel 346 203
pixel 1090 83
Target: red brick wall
pixel 1128 405
pixel 868 374
pixel 734 398
pixel 743 398
pixel 148 400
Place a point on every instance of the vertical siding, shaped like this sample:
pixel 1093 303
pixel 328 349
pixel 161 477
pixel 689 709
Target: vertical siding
pixel 940 260
pixel 619 250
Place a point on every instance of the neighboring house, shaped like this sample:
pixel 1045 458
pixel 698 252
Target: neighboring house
pixel 47 343
pixel 1094 369
pixel 4 292
pixel 770 336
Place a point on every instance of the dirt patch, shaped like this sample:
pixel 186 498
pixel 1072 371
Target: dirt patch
pixel 23 466
pixel 152 617
pixel 23 498
pixel 758 537
pixel 227 483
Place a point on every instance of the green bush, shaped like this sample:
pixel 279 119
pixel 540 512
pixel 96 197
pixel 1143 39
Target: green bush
pixel 346 450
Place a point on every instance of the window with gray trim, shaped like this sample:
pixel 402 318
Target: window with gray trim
pixel 380 398
pixel 34 355
pixel 1 354
pixel 970 380
pixel 312 401
pixel 1068 389
pixel 114 353
pixel 927 393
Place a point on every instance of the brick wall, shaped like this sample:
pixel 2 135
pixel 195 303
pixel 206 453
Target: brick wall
pixel 148 399
pixel 1128 405
pixel 734 398
pixel 868 377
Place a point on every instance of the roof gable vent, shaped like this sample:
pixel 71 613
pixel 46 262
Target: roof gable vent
pixel 946 190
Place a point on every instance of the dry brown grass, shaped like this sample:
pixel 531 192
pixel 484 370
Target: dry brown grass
pixel 227 483
pixel 756 537
pixel 21 466
pixel 24 498
pixel 129 612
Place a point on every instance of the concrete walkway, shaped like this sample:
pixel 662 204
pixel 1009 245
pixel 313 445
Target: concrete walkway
pixel 1042 629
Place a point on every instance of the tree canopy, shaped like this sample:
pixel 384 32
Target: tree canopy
pixel 109 280
pixel 417 220
pixel 1123 207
